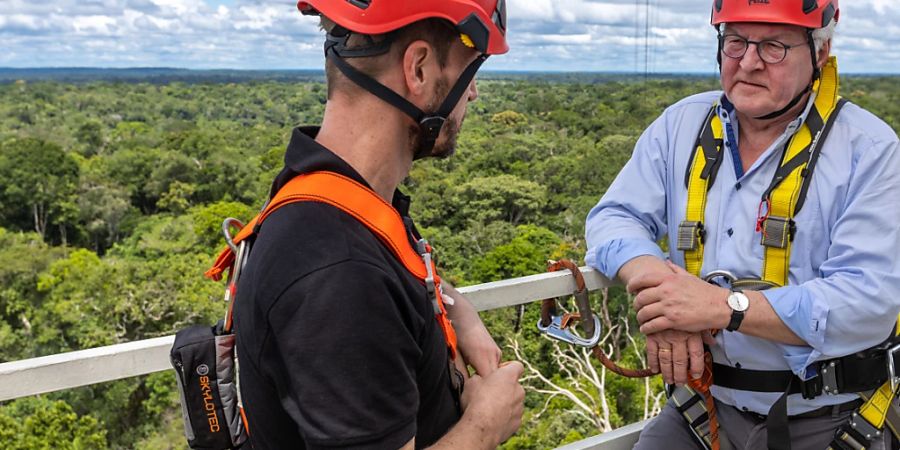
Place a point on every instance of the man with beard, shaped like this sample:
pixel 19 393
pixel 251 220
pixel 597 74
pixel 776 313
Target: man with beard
pixel 777 198
pixel 338 342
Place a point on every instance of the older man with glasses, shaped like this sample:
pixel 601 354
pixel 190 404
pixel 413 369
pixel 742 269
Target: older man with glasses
pixel 774 317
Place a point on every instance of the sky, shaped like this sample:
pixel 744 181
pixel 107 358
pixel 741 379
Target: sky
pixel 544 35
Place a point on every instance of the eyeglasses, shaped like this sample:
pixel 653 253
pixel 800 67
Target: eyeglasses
pixel 770 51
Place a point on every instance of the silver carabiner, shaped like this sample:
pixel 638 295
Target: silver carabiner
pixel 226 230
pixel 562 332
pixel 715 274
pixel 239 251
pixel 892 374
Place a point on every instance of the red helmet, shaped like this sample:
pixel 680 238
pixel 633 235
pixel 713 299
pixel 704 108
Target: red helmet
pixel 483 22
pixel 805 13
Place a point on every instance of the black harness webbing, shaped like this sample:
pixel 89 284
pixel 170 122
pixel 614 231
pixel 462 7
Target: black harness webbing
pixel 712 152
pixel 859 372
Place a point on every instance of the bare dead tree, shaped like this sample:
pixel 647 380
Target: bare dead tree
pixel 583 379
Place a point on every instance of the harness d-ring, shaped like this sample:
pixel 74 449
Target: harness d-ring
pixel 559 326
pixel 716 274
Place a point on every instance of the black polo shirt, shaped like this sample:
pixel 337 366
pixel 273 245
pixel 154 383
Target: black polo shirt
pixel 337 342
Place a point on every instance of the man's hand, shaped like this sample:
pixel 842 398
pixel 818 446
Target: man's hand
pixel 678 301
pixel 675 354
pixel 495 402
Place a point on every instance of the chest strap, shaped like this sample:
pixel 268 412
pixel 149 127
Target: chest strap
pixel 786 193
pixel 369 209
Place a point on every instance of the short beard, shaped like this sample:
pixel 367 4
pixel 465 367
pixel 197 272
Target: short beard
pixel 450 129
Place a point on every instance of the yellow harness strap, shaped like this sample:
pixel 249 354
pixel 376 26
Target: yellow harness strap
pixel 691 232
pixel 777 227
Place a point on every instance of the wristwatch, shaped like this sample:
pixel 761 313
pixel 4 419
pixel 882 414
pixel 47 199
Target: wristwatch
pixel 738 302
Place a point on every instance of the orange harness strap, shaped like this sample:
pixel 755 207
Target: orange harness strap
pixel 365 206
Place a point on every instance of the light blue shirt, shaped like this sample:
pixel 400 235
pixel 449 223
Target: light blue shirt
pixel 843 294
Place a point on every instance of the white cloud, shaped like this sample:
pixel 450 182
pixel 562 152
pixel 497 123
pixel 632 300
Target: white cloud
pixel 256 34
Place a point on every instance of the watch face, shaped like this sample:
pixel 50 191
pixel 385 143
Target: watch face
pixel 738 301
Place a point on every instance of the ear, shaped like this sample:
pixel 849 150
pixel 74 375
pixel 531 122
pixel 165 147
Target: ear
pixel 824 53
pixel 419 60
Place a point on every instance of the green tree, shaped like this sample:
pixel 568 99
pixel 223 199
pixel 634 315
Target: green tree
pixel 503 197
pixel 23 257
pixel 40 184
pixel 40 423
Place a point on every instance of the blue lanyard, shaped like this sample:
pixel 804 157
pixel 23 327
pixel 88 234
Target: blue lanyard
pixel 731 142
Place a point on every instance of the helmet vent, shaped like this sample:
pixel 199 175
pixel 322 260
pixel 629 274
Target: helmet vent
pixel 361 4
pixel 828 14
pixel 809 6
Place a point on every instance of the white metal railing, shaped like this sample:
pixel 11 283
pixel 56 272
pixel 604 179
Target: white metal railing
pixel 97 365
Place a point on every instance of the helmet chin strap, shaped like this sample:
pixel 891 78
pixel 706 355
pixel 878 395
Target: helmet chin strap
pixel 430 123
pixel 816 74
pixel 789 106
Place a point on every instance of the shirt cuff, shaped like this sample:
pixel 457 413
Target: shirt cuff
pixel 610 256
pixel 807 317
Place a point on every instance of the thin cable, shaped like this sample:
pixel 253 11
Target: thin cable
pixel 646 39
pixel 637 36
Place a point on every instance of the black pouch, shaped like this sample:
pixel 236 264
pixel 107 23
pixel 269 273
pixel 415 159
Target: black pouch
pixel 205 367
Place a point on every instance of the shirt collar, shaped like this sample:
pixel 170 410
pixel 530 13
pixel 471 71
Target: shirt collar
pixel 305 155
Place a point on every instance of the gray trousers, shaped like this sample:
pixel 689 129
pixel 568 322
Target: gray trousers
pixel 745 431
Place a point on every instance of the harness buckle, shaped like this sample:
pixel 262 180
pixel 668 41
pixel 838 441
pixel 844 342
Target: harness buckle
pixel 690 235
pixel 778 231
pixel 811 387
pixel 892 374
pixel 430 288
pixel 866 430
pixel 431 127
pixel 830 377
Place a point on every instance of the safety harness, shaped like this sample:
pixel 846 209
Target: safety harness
pixel 369 209
pixel 869 373
pixel 205 358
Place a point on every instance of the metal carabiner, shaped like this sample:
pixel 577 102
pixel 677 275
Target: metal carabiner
pixel 240 251
pixel 715 274
pixel 559 329
pixel 226 230
pixel 559 326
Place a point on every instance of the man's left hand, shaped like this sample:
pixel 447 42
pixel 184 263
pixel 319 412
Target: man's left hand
pixel 679 301
pixel 476 345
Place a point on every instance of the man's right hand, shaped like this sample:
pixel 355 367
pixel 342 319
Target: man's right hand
pixel 494 403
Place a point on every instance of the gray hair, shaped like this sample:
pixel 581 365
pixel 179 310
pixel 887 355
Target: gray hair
pixel 820 35
pixel 824 34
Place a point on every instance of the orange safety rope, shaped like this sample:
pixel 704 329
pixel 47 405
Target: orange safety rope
pixel 702 386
